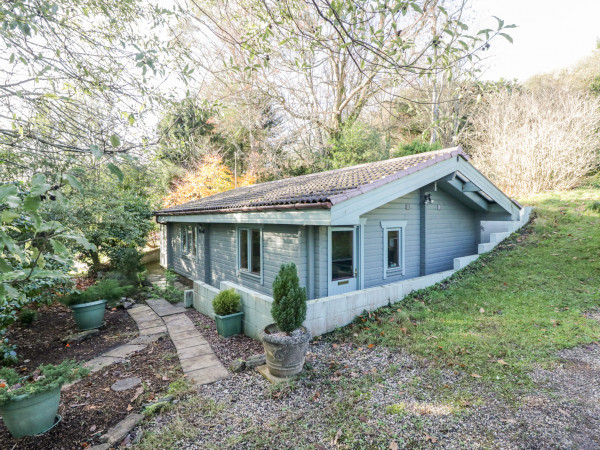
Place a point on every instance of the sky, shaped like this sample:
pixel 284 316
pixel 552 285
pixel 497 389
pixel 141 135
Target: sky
pixel 551 34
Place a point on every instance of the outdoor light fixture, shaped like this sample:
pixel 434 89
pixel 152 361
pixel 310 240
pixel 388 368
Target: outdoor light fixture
pixel 428 200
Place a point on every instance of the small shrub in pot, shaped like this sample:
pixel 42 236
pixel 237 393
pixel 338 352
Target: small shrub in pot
pixel 29 404
pixel 286 341
pixel 228 317
pixel 88 306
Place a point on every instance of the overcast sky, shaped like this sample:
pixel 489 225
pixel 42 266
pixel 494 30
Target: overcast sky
pixel 551 34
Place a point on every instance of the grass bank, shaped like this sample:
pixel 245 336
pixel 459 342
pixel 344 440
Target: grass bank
pixel 511 309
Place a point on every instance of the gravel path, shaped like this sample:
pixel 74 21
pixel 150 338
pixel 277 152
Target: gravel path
pixel 374 398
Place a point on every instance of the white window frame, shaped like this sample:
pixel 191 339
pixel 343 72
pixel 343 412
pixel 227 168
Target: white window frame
pixel 247 272
pixel 393 225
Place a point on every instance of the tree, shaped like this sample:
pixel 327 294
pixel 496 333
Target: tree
pixel 34 258
pixel 324 65
pixel 76 81
pixel 530 141
pixel 210 177
pixel 110 215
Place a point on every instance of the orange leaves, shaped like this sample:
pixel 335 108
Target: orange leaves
pixel 209 177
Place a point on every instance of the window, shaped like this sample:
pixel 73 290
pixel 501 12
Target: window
pixel 393 247
pixel 250 250
pixel 188 240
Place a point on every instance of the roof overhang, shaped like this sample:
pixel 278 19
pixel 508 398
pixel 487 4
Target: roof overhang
pixel 455 176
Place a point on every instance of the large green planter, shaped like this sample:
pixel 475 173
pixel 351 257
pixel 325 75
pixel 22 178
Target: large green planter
pixel 89 315
pixel 27 415
pixel 230 324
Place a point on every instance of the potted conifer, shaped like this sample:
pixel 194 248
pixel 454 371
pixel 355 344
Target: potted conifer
pixel 29 404
pixel 89 306
pixel 227 313
pixel 286 341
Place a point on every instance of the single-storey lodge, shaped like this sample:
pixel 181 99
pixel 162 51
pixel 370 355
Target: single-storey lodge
pixel 360 236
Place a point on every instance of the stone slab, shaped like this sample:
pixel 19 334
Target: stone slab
pixel 186 343
pixel 164 308
pixel 157 322
pixel 124 350
pixel 264 371
pixel 147 339
pixel 117 433
pixel 101 362
pixel 153 330
pixel 146 317
pixel 208 375
pixel 199 362
pixel 138 310
pixel 178 319
pixel 126 384
pixel 193 352
pixel 185 335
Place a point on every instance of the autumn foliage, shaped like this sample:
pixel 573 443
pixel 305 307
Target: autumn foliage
pixel 209 177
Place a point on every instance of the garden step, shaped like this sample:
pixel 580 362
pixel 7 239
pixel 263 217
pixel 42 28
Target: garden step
pixel 164 308
pixel 208 375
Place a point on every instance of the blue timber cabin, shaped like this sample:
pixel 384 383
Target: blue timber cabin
pixel 346 229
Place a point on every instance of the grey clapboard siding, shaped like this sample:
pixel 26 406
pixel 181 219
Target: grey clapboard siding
pixel 185 265
pixel 373 245
pixel 321 262
pixel 450 231
pixel 280 245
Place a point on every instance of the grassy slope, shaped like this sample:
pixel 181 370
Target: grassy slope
pixel 519 304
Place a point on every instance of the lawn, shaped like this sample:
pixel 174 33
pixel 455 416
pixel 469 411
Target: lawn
pixel 515 307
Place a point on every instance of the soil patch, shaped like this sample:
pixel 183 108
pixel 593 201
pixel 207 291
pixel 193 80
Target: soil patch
pixel 42 341
pixel 89 408
pixel 227 349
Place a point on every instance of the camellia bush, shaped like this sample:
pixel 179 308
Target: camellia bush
pixel 34 260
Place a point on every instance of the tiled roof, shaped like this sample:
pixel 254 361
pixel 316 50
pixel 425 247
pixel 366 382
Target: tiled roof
pixel 317 190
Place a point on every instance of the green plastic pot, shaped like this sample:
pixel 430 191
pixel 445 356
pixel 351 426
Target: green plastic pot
pixel 89 315
pixel 230 324
pixel 27 415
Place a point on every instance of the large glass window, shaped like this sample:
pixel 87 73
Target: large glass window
pixel 249 250
pixel 342 254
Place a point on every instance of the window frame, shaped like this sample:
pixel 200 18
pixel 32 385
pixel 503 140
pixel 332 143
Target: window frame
pixel 400 226
pixel 246 272
pixel 188 236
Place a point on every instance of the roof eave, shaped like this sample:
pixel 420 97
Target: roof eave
pixel 294 206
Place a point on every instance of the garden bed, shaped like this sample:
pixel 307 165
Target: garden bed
pixel 42 341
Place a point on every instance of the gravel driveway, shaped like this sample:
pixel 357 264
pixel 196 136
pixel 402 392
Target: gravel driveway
pixel 374 398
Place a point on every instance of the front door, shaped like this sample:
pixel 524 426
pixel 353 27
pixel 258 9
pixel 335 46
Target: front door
pixel 343 264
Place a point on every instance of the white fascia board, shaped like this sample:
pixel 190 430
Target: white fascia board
pixel 300 217
pixel 488 187
pixel 349 211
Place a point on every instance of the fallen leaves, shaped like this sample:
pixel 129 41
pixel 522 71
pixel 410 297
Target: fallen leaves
pixel 475 375
pixel 502 362
pixel 337 437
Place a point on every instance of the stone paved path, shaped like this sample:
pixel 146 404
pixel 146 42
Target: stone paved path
pixel 197 359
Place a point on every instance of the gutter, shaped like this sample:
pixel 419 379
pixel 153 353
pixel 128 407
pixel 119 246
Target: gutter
pixel 295 206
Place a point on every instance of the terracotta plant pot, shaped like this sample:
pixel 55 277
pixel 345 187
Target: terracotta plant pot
pixel 285 353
